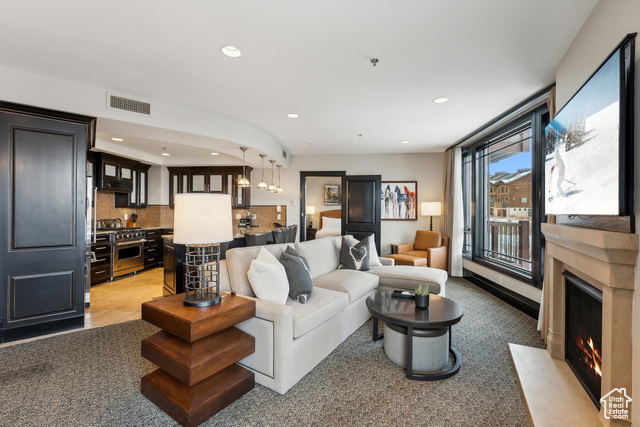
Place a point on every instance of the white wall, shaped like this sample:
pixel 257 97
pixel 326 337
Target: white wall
pixel 609 22
pixel 158 185
pixel 426 168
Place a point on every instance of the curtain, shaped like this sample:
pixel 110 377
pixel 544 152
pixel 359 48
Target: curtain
pixel 543 315
pixel 452 210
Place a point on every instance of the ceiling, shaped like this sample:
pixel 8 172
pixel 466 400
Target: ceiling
pixel 312 58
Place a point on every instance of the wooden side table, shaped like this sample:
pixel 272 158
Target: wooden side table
pixel 196 354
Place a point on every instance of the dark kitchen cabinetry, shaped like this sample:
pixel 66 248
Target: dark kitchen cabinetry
pixel 114 173
pixel 218 179
pixel 140 189
pixel 153 248
pixel 174 256
pixel 101 267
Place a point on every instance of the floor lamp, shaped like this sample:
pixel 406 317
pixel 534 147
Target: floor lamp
pixel 201 222
pixel 431 209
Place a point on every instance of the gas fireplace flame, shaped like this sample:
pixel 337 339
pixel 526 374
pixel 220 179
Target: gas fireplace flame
pixel 590 356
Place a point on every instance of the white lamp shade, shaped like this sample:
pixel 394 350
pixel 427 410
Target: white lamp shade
pixel 431 208
pixel 311 210
pixel 202 218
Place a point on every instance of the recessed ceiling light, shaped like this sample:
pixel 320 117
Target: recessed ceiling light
pixel 164 152
pixel 404 142
pixel 117 139
pixel 441 100
pixel 215 154
pixel 308 143
pixel 292 115
pixel 231 51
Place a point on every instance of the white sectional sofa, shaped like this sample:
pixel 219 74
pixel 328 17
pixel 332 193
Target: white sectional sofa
pixel 292 338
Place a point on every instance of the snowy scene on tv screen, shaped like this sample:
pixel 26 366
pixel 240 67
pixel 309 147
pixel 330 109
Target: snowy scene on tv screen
pixel 581 155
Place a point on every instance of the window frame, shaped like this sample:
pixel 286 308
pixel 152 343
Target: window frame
pixel 537 118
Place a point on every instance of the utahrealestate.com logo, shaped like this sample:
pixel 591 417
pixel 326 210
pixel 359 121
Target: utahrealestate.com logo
pixel 616 404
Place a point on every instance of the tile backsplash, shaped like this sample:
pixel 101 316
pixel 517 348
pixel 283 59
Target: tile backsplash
pixel 162 215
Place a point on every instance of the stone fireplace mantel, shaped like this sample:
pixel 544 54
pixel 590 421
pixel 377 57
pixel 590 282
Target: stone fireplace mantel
pixel 607 261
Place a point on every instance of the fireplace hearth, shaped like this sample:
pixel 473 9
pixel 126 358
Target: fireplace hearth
pixel 583 335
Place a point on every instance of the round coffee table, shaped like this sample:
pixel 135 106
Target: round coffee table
pixel 401 314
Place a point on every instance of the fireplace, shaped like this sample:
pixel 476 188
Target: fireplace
pixel 583 334
pixel 607 261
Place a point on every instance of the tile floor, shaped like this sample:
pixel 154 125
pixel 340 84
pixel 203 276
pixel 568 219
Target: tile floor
pixel 117 301
pixel 120 300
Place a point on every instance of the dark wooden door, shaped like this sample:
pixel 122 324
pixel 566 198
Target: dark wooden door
pixel 42 233
pixel 361 206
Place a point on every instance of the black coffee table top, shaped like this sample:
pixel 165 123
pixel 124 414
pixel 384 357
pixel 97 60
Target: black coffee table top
pixel 442 312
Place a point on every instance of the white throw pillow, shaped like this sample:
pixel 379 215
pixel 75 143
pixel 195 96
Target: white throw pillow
pixel 268 278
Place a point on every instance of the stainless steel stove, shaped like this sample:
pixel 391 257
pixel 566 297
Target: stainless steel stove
pixel 128 247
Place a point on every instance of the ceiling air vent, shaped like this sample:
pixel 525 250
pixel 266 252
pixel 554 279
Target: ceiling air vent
pixel 116 102
pixel 284 154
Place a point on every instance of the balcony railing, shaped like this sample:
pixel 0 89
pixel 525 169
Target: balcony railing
pixel 510 242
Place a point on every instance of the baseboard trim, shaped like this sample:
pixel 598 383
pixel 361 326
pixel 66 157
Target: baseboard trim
pixel 524 304
pixel 14 334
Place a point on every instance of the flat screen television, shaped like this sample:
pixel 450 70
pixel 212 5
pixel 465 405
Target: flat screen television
pixel 589 168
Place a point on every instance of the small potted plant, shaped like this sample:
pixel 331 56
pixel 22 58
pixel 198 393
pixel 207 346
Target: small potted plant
pixel 421 295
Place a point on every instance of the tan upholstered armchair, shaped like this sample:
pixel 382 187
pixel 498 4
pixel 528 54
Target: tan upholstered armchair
pixel 429 248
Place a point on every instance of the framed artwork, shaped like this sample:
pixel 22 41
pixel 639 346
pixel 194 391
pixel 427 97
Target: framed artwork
pixel 399 200
pixel 332 195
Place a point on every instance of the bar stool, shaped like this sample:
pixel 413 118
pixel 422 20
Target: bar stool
pixel 256 239
pixel 292 232
pixel 279 235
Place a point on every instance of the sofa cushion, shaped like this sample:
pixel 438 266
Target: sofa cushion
pixel 354 283
pixel 408 278
pixel 268 278
pixel 321 255
pixel 239 262
pixel 298 273
pixel 355 256
pixel 321 306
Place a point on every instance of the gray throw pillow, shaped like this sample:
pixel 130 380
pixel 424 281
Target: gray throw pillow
pixel 298 274
pixel 355 257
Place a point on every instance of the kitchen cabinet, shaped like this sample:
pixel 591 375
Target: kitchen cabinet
pixel 174 256
pixel 115 173
pixel 153 248
pixel 215 179
pixel 138 196
pixel 101 267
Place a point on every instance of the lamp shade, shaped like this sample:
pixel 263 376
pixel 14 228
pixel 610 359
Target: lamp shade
pixel 431 208
pixel 311 210
pixel 202 218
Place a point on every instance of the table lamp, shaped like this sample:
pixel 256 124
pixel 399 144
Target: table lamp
pixel 311 210
pixel 431 209
pixel 201 222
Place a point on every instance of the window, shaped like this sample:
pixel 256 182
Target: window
pixel 504 232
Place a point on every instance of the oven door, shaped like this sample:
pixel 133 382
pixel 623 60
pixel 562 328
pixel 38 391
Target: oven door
pixel 128 257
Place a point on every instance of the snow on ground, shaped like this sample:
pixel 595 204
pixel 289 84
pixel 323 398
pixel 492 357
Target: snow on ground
pixel 593 167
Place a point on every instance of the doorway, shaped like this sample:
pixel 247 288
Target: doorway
pixel 315 182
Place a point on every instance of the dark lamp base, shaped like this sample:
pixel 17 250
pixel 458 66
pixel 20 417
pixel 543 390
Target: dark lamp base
pixel 192 300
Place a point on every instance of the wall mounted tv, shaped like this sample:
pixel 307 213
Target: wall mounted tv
pixel 589 168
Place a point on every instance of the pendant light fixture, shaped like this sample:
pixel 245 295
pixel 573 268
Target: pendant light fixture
pixel 272 187
pixel 243 182
pixel 262 185
pixel 279 190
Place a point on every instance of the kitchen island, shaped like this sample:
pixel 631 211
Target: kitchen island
pixel 174 256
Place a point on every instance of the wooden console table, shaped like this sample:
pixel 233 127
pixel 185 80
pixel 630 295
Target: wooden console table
pixel 196 354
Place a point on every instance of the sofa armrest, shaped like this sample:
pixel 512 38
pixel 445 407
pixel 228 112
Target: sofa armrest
pixel 387 261
pixel 401 247
pixel 437 257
